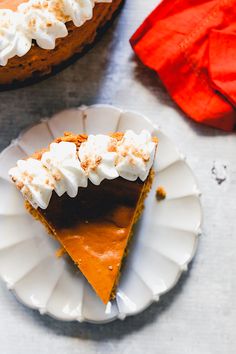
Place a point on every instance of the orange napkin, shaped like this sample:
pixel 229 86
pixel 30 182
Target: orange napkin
pixel 191 45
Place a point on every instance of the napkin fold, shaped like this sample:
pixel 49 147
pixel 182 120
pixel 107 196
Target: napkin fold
pixel 191 45
pixel 222 57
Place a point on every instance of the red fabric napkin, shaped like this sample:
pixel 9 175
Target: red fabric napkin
pixel 191 45
pixel 222 67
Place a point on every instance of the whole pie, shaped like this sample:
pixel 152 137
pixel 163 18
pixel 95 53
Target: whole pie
pixel 38 35
pixel 89 191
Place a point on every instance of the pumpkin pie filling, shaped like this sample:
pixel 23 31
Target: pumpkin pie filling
pixel 95 227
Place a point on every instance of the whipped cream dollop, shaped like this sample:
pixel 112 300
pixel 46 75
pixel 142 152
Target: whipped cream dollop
pixel 41 24
pixel 64 168
pixel 98 158
pixel 78 11
pixel 40 20
pixel 34 181
pixel 13 40
pixel 135 155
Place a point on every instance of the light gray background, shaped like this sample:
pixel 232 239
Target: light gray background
pixel 199 314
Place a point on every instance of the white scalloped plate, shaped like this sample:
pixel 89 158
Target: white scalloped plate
pixel 164 243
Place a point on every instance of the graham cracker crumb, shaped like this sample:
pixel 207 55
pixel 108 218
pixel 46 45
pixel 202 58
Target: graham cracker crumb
pixel 160 193
pixel 60 252
pixel 117 135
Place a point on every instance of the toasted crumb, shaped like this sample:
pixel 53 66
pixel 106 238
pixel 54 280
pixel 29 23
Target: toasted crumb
pixel 160 193
pixel 68 133
pixel 19 185
pixel 155 139
pixel 117 135
pixel 60 252
pixel 72 138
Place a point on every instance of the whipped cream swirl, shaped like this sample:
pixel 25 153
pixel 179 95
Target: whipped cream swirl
pixel 41 20
pixel 13 40
pixel 135 155
pixel 64 168
pixel 34 181
pixel 98 159
pixel 78 11
pixel 41 24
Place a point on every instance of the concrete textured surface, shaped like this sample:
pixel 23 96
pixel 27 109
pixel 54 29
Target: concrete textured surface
pixel 199 314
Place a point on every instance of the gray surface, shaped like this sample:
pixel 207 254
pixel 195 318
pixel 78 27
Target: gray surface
pixel 199 315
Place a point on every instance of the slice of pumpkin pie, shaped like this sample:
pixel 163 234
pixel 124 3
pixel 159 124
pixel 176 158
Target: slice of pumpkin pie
pixel 89 191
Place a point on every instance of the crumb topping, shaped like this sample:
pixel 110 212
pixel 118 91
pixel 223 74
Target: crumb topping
pixel 160 193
